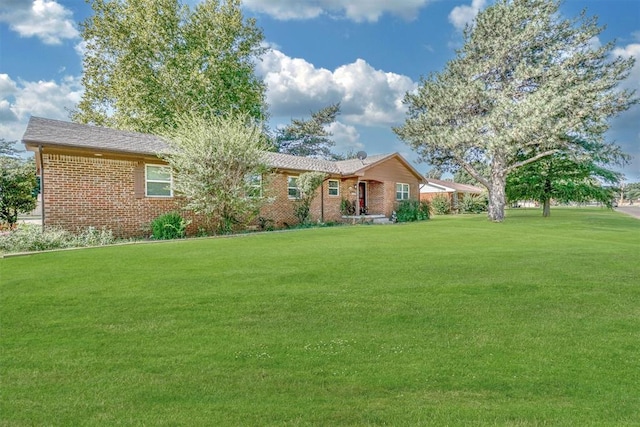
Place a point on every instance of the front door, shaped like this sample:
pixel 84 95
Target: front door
pixel 362 197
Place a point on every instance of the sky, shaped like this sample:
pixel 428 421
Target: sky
pixel 365 54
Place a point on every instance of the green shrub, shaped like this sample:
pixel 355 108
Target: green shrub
pixel 266 224
pixel 169 226
pixel 441 205
pixel 412 210
pixel 347 207
pixel 301 209
pixel 474 203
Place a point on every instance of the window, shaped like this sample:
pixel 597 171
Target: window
pixel 254 183
pixel 402 191
pixel 334 187
pixel 292 185
pixel 158 181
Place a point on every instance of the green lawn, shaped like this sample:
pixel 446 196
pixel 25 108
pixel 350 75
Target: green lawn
pixel 453 321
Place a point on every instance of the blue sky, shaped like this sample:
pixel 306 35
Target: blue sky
pixel 365 54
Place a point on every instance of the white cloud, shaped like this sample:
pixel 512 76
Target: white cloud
pixel 285 9
pixel 45 19
pixel 81 48
pixel 295 86
pixel 346 137
pixel 628 51
pixel 19 100
pixel 372 97
pixel 7 86
pixel 624 130
pixel 461 16
pixel 356 10
pixel 368 96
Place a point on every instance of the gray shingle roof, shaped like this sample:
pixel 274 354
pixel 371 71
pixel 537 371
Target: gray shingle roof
pixel 342 167
pixel 287 161
pixel 75 135
pixel 49 132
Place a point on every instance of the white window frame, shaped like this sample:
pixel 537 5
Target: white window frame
pixel 403 190
pixel 289 187
pixel 255 183
pixel 337 187
pixel 147 181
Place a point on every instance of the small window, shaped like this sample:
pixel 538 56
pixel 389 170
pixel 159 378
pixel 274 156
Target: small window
pixel 158 181
pixel 254 183
pixel 292 185
pixel 402 191
pixel 334 187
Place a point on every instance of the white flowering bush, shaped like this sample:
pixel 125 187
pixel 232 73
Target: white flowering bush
pixel 29 237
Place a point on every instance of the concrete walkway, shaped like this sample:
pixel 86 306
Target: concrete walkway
pixel 37 220
pixel 633 210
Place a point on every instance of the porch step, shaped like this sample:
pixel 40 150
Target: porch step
pixel 383 220
pixel 371 219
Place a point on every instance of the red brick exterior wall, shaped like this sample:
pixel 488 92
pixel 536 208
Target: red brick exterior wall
pixel 278 208
pixel 281 209
pixel 81 192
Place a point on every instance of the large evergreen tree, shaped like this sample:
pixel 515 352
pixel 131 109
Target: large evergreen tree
pixel 149 61
pixel 524 80
pixel 309 138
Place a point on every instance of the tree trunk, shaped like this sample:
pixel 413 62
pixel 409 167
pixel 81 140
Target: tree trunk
pixel 497 198
pixel 546 201
pixel 546 207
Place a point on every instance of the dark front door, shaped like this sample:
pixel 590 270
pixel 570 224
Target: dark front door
pixel 362 197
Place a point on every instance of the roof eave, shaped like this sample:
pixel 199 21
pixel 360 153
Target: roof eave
pixel 32 145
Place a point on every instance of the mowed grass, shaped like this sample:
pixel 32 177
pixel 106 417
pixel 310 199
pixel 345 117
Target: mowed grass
pixel 453 321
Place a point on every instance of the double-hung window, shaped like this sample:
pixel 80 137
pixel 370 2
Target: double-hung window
pixel 254 184
pixel 292 187
pixel 402 191
pixel 334 187
pixel 158 181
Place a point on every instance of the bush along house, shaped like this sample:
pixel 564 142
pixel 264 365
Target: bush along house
pixel 99 177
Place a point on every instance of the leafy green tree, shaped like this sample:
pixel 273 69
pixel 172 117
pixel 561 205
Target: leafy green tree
pixel 214 162
pixel 147 62
pixel 17 184
pixel 307 184
pixel 309 138
pixel 524 80
pixel 565 179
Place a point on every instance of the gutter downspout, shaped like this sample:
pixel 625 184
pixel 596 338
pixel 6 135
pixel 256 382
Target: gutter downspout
pixel 41 184
pixel 322 200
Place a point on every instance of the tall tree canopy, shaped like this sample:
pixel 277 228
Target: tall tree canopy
pixel 309 138
pixel 149 61
pixel 524 86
